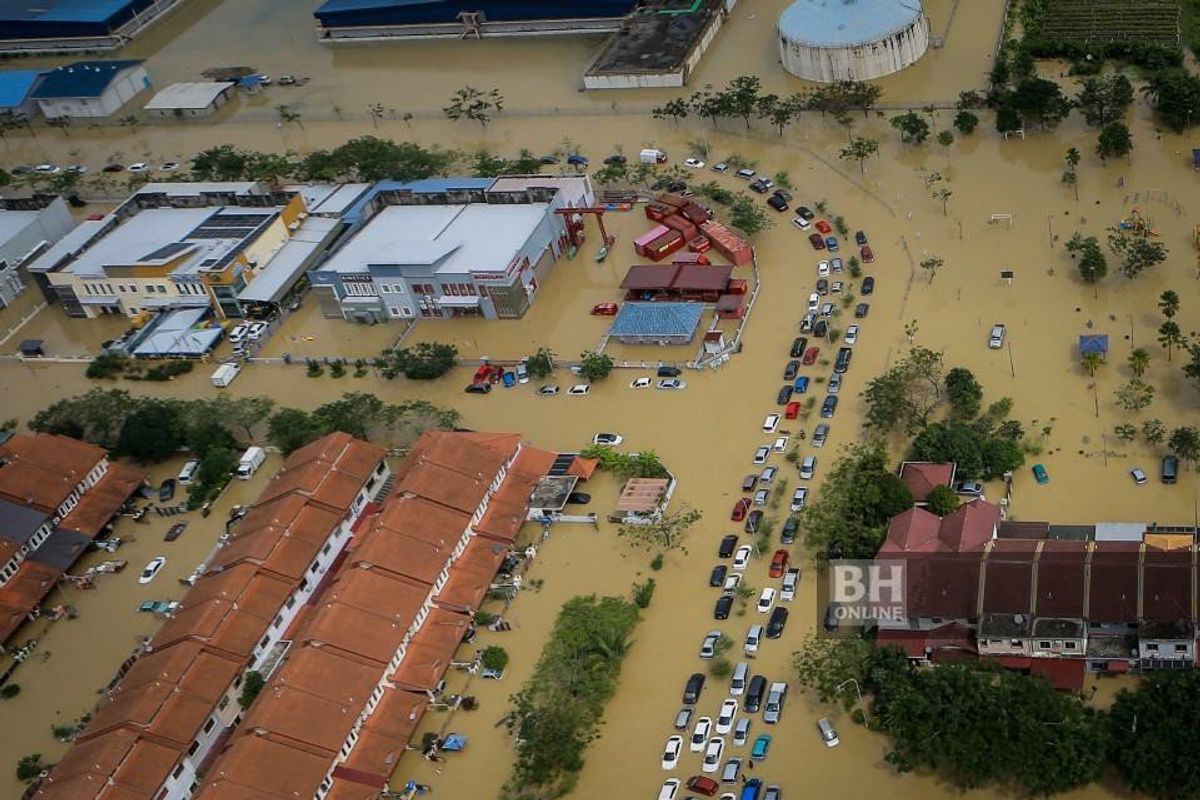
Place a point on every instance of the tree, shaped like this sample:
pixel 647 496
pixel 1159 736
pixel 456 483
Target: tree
pixel 824 663
pixel 594 366
pixel 1135 395
pixel 216 470
pixel 422 362
pixel 494 657
pixel 965 122
pixel 945 139
pixel 252 683
pixel 931 266
pixel 942 500
pixel 474 104
pixel 1040 100
pixel 540 364
pixel 859 150
pixel 1138 361
pixel 623 466
pixel 151 433
pixel 964 392
pixel 664 534
pixel 1007 119
pixel 1154 431
pixel 1168 303
pixel 1152 731
pixel 1092 264
pixel 747 216
pixel 63 124
pixel 1091 361
pixel 1185 443
pixel 1115 141
pixel 290 429
pixel 221 163
pixel 980 450
pixel 944 194
pixel 1104 100
pixel 1175 95
pixel 912 127
pixel 288 115
pixel 673 110
pixel 1136 253
pixel 906 394
pixel 1170 336
pixel 30 766
pixel 709 105
pixel 742 97
pixel 1070 176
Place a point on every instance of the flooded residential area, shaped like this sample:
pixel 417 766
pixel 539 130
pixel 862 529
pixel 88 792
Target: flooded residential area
pixel 366 576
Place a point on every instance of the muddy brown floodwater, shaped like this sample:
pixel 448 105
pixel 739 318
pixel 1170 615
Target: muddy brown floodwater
pixel 707 433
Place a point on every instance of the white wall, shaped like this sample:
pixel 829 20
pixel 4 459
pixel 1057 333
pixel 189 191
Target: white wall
pixel 829 64
pixel 128 84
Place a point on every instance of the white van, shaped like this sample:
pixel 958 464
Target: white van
pixel 225 374
pixel 252 459
pixel 652 156
pixel 188 472
pixel 741 676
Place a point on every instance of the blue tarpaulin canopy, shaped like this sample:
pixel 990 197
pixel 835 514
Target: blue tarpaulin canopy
pixel 454 742
pixel 1094 343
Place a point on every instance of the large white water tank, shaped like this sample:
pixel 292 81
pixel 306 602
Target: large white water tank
pixel 851 40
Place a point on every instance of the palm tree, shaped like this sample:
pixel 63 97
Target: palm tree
pixel 1139 361
pixel 1168 303
pixel 1092 362
pixel 1170 336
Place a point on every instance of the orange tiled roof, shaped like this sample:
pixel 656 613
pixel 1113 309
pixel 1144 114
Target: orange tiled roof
pixel 42 470
pixel 119 765
pixel 100 503
pixel 27 589
pixel 343 789
pixel 330 471
pixel 429 653
pixel 509 506
pixel 392 596
pixel 455 469
pixel 383 736
pixel 228 611
pixel 472 574
pixel 354 631
pixel 287 543
pixel 257 767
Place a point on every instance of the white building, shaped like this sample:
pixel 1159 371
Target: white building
pixel 181 100
pixel 25 234
pixel 851 40
pixel 88 89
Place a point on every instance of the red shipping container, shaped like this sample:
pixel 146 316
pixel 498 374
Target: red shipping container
pixel 736 286
pixel 663 246
pixel 678 223
pixel 691 257
pixel 700 244
pixel 726 243
pixel 658 211
pixel 696 213
pixel 642 243
pixel 673 200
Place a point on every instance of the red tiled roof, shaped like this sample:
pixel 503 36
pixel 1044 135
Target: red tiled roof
pixel 102 502
pixel 431 650
pixel 1167 585
pixel 942 584
pixel 455 469
pixel 42 470
pixel 922 476
pixel 25 590
pixel 1064 674
pixel 509 506
pixel 120 765
pixel 914 530
pixel 384 735
pixel 472 574
pixel 1113 591
pixel 1008 578
pixel 1060 579
pixel 258 767
pixel 970 526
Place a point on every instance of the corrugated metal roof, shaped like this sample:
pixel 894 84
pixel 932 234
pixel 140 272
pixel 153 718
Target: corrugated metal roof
pixel 657 319
pixel 15 86
pixel 81 79
pixel 187 96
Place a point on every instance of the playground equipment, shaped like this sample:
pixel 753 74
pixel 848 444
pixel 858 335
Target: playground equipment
pixel 1137 224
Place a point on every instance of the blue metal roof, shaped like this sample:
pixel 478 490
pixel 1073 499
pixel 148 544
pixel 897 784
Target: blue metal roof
pixel 840 23
pixel 81 79
pixel 15 85
pixel 1093 343
pixel 657 319
pixel 54 18
pixel 424 186
pixel 413 12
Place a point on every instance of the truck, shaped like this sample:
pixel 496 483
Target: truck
pixel 225 374
pixel 252 459
pixel 652 156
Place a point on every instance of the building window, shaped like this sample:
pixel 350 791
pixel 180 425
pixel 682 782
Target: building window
pixel 1069 645
pixel 192 750
pixel 178 771
pixel 387 288
pixel 209 724
pixel 1014 642
pixel 398 288
pixel 1044 645
pixel 1153 648
pixel 1181 648
pixel 121 288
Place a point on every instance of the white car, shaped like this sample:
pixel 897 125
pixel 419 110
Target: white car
pixel 170 166
pixel 827 310
pixel 640 383
pixel 995 340
pixel 780 444
pixel 753 639
pixel 791 579
pixel 239 332
pixel 801 223
pixel 712 755
pixel 672 383
pixel 851 334
pixel 799 499
pixel 727 715
pixel 47 169
pixel 837 287
pixel 671 752
pixel 808 468
pixel 741 732
pixel 814 301
pixel 770 423
pixel 152 569
pixel 694 163
pixel 766 600
pixel 257 329
pixel 140 166
pixel 77 169
pixel 822 269
pixel 522 373
pixel 579 389
pixel 741 559
pixel 700 734
pixel 761 497
pixel 731 583
pixel 549 390
pixel 761 455
pixel 669 789
pixel 611 439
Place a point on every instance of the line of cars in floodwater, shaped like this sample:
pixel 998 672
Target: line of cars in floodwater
pixel 489 375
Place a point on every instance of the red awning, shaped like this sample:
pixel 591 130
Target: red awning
pixel 1013 662
pixel 1063 673
pixel 1118 666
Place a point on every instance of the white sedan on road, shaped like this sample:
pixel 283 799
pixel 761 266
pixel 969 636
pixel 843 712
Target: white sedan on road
pixel 671 752
pixel 741 559
pixel 700 734
pixel 640 383
pixel 694 163
pixel 766 600
pixel 727 715
pixel 712 754
pixel 610 439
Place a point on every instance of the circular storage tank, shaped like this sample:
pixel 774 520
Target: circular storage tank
pixel 851 40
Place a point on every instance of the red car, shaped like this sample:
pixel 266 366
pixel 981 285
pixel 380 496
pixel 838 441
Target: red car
pixel 779 563
pixel 816 241
pixel 824 227
pixel 739 509
pixel 810 356
pixel 605 309
pixel 792 411
pixel 867 255
pixel 703 785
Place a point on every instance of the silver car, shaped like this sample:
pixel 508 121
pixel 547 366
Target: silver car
pixel 996 340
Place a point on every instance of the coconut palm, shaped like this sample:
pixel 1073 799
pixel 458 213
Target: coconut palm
pixel 1092 362
pixel 1139 361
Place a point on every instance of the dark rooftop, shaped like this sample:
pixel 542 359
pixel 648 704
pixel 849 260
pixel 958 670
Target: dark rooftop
pixel 1058 628
pixel 19 523
pixel 81 79
pixel 1079 533
pixel 1111 646
pixel 1113 590
pixel 1060 579
pixel 942 585
pixel 1167 584
pixel 1008 581
pixel 61 549
pixel 1166 629
pixel 1010 529
pixel 1004 625
pixel 655 42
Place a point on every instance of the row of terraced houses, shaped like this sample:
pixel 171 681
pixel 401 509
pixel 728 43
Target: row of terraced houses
pixel 353 608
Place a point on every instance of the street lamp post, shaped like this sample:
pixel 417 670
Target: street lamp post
pixel 858 691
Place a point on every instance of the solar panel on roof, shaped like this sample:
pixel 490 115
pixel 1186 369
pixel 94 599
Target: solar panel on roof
pixel 167 251
pixel 562 462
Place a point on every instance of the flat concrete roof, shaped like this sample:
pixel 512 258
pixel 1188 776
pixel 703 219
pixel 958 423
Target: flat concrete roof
pixel 290 261
pixel 187 96
pixel 449 239
pixel 13 222
pixel 140 236
pixel 68 245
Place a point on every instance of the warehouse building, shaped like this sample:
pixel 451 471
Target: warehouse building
pixel 89 89
pixel 380 19
pixel 183 100
pixel 851 40
pixel 451 247
pixel 75 25
pixel 24 234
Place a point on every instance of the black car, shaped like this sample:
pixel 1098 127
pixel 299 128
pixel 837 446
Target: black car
pixel 790 527
pixel 777 622
pixel 820 328
pixel 669 372
pixel 798 345
pixel 753 521
pixel 860 238
pixel 868 286
pixel 167 490
pixel 822 286
pixel 778 203
pixel 829 407
pixel 616 159
pixel 804 213
pixel 579 498
pixel 755 693
pixel 723 606
pixel 677 187
pixel 693 688
pixel 548 159
pixel 758 186
pixel 843 360
pixel 861 310
pixel 785 395
pixel 717 578
pixel 791 370
pixel 784 194
pixel 728 545
pixel 478 388
pixel 749 482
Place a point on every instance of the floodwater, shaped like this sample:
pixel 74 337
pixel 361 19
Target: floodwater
pixel 707 433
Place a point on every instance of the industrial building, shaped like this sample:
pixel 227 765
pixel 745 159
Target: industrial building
pixel 174 246
pixel 851 40
pixel 90 89
pixel 449 247
pixel 16 92
pixel 186 100
pixel 656 323
pixel 382 19
pixel 24 234
pixel 75 25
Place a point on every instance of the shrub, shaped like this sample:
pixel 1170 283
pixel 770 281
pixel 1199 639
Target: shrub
pixel 9 691
pixel 29 767
pixel 252 684
pixel 643 593
pixel 720 668
pixel 494 658
pixel 656 563
pixel 107 365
